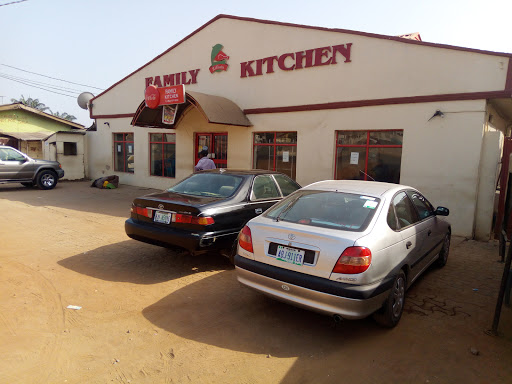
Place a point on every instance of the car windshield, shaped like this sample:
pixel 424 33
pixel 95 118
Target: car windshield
pixel 208 184
pixel 336 210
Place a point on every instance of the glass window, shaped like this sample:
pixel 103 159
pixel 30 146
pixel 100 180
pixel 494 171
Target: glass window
pixel 369 155
pixel 286 184
pixel 276 151
pixel 7 154
pixel 162 149
pixel 392 218
pixel 336 210
pixel 423 206
pixel 208 184
pixel 124 155
pixel 264 187
pixel 405 212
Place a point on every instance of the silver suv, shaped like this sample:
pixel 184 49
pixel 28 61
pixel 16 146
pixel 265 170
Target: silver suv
pixel 16 167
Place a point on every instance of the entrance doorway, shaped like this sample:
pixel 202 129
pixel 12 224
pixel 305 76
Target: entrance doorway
pixel 217 144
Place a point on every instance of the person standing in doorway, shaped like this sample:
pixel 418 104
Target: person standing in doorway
pixel 204 162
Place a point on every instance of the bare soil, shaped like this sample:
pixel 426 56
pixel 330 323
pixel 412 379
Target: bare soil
pixel 149 315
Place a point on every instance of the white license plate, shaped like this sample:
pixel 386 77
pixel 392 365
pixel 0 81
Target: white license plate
pixel 163 217
pixel 290 255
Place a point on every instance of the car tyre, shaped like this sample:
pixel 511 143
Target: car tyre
pixel 46 179
pixel 29 184
pixel 443 254
pixel 389 315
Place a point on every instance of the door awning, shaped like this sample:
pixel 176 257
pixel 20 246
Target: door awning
pixel 215 109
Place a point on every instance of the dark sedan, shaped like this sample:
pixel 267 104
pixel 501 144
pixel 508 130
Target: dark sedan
pixel 206 211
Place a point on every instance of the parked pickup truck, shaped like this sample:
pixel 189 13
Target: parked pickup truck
pixel 17 167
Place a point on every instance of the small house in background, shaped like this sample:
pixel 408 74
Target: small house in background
pixel 44 136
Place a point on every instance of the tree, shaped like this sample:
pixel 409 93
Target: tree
pixel 63 115
pixel 34 103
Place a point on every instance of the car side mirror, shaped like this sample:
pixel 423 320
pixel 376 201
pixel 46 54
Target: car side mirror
pixel 442 211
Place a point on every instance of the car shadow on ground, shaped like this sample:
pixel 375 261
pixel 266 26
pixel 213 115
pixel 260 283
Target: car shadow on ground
pixel 78 196
pixel 138 263
pixel 218 311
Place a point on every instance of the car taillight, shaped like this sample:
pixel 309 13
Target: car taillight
pixel 142 211
pixel 245 239
pixel 353 260
pixel 189 219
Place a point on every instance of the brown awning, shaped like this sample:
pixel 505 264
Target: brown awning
pixel 215 109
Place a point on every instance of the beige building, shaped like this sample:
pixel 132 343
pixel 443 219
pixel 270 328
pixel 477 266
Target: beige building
pixel 317 104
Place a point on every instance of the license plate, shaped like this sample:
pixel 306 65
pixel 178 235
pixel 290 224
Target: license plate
pixel 290 255
pixel 163 217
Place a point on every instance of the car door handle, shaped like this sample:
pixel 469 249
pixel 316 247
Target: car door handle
pixel 429 232
pixel 408 244
pixel 258 211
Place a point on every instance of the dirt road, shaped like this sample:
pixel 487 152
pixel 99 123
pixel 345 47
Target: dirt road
pixel 151 316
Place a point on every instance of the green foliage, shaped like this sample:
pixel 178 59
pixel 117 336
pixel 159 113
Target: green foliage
pixel 35 103
pixel 30 102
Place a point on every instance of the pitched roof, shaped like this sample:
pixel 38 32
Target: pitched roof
pixel 11 107
pixel 402 39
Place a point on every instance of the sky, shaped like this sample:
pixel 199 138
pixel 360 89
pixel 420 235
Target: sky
pixel 96 43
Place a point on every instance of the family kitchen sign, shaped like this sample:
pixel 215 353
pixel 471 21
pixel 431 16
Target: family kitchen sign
pixel 309 58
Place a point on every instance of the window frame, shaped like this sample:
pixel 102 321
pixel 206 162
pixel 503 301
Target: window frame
pixel 366 146
pixel 125 158
pixel 274 145
pixel 163 143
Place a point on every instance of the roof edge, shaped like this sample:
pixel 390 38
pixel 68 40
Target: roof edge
pixel 14 106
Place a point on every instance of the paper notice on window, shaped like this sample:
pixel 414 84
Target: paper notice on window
pixel 130 149
pixel 286 156
pixel 354 158
pixel 119 148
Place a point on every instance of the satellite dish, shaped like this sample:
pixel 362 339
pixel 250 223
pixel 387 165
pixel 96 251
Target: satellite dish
pixel 83 99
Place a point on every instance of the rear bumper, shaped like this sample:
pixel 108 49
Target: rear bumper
pixel 311 292
pixel 194 242
pixel 60 173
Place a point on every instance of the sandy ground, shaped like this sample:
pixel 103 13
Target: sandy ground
pixel 151 316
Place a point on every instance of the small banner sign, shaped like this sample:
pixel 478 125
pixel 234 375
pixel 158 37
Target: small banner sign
pixel 169 114
pixel 155 97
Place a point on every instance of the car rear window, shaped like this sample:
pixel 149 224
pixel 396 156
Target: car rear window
pixel 208 184
pixel 337 210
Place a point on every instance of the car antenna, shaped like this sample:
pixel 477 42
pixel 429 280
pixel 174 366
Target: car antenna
pixel 367 175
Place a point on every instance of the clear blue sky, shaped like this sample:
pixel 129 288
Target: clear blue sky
pixel 98 42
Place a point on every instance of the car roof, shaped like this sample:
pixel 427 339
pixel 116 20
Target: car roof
pixel 373 188
pixel 244 172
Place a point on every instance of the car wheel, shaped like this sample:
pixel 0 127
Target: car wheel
pixel 47 179
pixel 443 254
pixel 28 184
pixel 232 254
pixel 389 315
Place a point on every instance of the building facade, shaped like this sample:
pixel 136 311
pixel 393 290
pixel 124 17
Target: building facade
pixel 316 104
pixel 44 136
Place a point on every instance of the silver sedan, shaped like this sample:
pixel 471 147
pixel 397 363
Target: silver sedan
pixel 344 248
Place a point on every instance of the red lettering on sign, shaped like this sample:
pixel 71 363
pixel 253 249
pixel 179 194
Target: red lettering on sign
pixel 193 74
pixel 282 58
pixel 344 50
pixel 300 56
pixel 321 53
pixel 149 81
pixel 246 68
pixel 158 81
pixel 270 63
pixel 168 80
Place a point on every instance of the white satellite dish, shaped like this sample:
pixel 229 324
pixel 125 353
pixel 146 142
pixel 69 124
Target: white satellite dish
pixel 83 99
